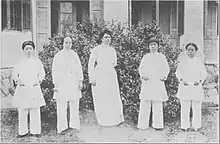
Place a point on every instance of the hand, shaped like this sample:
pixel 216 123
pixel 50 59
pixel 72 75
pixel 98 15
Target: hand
pixel 20 83
pixel 36 84
pixel 93 83
pixel 163 78
pixel 196 83
pixel 145 78
pixel 185 83
pixel 80 85
pixel 55 89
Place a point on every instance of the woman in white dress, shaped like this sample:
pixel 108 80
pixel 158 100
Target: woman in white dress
pixel 28 75
pixel 154 70
pixel 103 78
pixel 67 77
pixel 191 73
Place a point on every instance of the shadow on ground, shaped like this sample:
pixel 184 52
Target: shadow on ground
pixel 91 132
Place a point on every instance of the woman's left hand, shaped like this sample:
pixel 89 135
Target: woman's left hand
pixel 196 83
pixel 163 78
pixel 80 85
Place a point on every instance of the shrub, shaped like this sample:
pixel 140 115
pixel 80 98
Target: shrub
pixel 130 44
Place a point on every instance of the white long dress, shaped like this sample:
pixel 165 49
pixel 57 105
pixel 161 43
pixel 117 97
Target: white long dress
pixel 106 94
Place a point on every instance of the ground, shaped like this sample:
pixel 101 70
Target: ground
pixel 126 132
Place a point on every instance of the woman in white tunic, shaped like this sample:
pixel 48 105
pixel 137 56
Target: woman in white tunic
pixel 191 73
pixel 103 78
pixel 28 75
pixel 153 70
pixel 67 77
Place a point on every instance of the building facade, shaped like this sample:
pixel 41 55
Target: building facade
pixel 181 21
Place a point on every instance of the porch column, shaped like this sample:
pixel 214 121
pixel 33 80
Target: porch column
pixel 116 10
pixel 34 21
pixel 205 17
pixel 193 24
pixel 158 11
pixel 0 27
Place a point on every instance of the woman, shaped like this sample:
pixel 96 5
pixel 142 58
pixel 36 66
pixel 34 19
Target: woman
pixel 28 75
pixel 67 77
pixel 154 70
pixel 191 73
pixel 103 78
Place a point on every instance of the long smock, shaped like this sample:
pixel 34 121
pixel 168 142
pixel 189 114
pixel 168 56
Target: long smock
pixel 191 70
pixel 30 72
pixel 153 66
pixel 66 74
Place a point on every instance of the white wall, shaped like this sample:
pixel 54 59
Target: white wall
pixel 116 9
pixel 11 50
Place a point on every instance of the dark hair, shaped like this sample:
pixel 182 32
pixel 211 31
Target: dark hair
pixel 192 44
pixel 106 31
pixel 62 41
pixel 153 40
pixel 29 42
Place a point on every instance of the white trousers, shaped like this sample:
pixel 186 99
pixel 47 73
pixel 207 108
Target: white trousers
pixel 35 121
pixel 144 114
pixel 62 123
pixel 185 114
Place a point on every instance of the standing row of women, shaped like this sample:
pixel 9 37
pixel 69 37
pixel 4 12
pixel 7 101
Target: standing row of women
pixel 68 76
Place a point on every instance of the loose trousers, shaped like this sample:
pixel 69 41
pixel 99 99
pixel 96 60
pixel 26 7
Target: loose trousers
pixel 144 114
pixel 185 114
pixel 35 121
pixel 62 123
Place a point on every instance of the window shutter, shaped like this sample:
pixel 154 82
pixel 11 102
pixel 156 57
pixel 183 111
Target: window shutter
pixel 43 23
pixel 97 13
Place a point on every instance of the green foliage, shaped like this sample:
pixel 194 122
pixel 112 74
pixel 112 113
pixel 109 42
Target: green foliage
pixel 130 44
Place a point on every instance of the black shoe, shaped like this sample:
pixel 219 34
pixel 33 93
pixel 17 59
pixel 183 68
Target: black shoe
pixel 21 136
pixel 36 135
pixel 64 132
pixel 185 130
pixel 159 129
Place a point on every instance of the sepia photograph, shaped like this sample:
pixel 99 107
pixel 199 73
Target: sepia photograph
pixel 109 71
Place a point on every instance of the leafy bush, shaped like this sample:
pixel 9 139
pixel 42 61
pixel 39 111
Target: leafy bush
pixel 130 44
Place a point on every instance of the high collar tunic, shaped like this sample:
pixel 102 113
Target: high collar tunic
pixel 153 66
pixel 191 70
pixel 66 74
pixel 29 71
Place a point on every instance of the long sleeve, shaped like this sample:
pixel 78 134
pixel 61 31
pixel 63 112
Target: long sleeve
pixel 165 67
pixel 114 59
pixel 142 67
pixel 91 65
pixel 79 72
pixel 179 71
pixel 41 73
pixel 15 73
pixel 55 70
pixel 203 73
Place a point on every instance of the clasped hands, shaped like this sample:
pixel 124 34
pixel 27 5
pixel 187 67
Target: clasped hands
pixel 93 83
pixel 20 83
pixel 147 78
pixel 186 83
pixel 80 86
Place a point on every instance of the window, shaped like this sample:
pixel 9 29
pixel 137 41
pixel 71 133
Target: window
pixel 212 18
pixel 16 15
